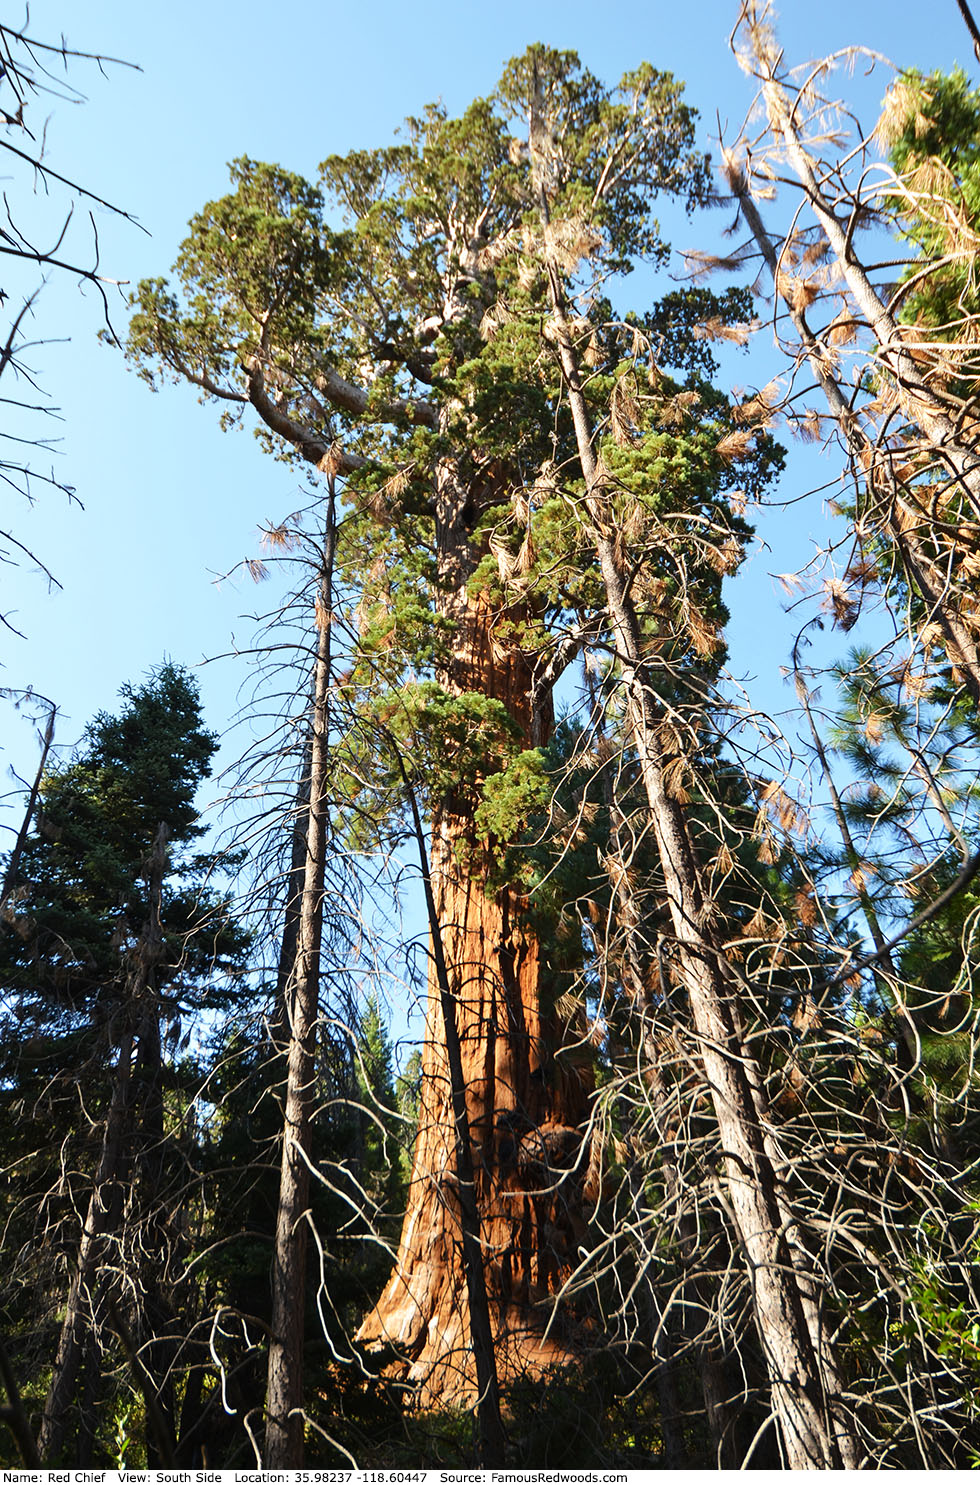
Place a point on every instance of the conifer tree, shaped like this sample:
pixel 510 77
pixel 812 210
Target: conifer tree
pixel 405 354
pixel 112 938
pixel 895 369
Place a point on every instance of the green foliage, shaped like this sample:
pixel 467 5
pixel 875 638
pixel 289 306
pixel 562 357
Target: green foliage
pixel 514 796
pixel 942 1307
pixel 445 745
pixel 677 326
pixel 412 351
pixel 80 900
pixel 408 1089
pixel 263 244
pixel 932 124
pixel 123 1440
pixel 599 1412
pixel 414 338
pixel 910 749
pixel 69 960
pixel 911 753
pixel 382 1135
pixel 641 124
pixel 354 1209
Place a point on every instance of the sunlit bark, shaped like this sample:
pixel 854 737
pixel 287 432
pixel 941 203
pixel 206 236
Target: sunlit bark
pixel 526 1101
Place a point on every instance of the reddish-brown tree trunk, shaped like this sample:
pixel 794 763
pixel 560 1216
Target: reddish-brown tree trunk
pixel 492 1441
pixel 525 1107
pixel 525 1097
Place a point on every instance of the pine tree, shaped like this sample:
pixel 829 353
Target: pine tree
pixel 901 411
pixel 112 940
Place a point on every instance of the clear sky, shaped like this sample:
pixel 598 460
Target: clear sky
pixel 170 501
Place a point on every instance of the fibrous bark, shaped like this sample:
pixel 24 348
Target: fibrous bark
pixel 525 1100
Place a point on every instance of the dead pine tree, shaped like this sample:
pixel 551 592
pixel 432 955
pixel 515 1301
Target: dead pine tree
pixel 805 1386
pixel 284 1433
pixel 911 446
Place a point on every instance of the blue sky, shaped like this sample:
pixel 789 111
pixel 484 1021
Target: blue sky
pixel 170 501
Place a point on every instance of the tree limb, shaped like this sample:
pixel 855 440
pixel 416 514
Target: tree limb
pixel 351 398
pixel 10 875
pixel 315 449
pixel 15 1416
pixel 971 26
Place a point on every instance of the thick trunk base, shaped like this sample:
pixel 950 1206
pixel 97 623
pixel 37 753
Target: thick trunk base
pixel 527 1092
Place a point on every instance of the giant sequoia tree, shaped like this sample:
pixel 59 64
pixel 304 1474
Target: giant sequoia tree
pixel 412 352
pixel 696 1103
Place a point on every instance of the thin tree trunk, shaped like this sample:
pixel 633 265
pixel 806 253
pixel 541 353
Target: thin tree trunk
pixel 13 861
pixel 157 1324
pixel 814 1433
pixel 284 1432
pixel 15 1414
pixel 189 1432
pixel 89 1388
pixel 295 881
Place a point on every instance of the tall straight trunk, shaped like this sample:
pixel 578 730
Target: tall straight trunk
pixel 692 1297
pixel 293 906
pixel 284 1431
pixel 802 1377
pixel 105 1205
pixel 89 1386
pixel 640 980
pixel 192 1416
pixel 526 1097
pixel 156 1349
